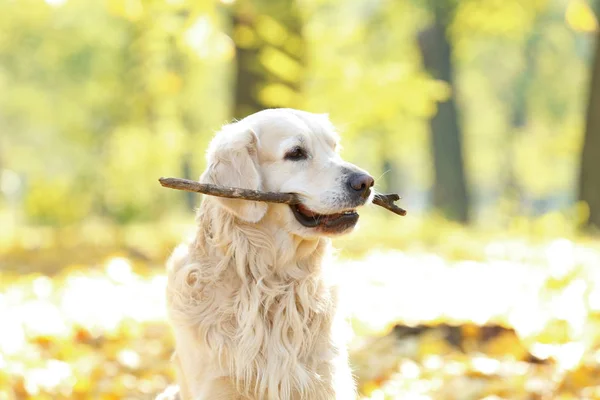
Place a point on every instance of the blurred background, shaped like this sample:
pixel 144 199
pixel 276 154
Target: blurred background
pixel 483 114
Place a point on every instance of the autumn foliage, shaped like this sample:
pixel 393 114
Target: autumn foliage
pixel 522 323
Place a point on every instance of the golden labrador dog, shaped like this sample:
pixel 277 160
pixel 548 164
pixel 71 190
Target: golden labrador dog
pixel 252 310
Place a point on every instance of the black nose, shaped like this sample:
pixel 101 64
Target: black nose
pixel 361 183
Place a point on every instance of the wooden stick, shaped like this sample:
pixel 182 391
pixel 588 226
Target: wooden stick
pixel 387 201
pixel 383 200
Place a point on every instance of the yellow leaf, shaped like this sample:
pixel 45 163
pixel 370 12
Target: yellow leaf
pixel 506 344
pixel 271 30
pixel 433 343
pixel 580 17
pixel 370 387
pixel 556 331
pixel 278 95
pixel 130 9
pixel 244 37
pixel 280 64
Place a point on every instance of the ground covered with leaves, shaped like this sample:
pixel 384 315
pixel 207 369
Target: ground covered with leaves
pixel 521 322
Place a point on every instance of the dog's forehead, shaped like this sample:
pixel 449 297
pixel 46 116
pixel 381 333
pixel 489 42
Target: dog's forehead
pixel 292 128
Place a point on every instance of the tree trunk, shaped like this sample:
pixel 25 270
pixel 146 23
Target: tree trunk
pixel 388 181
pixel 449 191
pixel 589 179
pixel 251 75
pixel 520 114
pixel 248 74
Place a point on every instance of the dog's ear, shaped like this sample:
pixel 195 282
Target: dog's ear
pixel 233 162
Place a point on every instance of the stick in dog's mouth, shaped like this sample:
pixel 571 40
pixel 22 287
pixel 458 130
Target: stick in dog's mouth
pixel 383 200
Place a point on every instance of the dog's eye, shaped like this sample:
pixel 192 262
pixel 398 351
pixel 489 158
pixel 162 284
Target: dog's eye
pixel 296 154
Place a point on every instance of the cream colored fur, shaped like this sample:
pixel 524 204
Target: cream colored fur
pixel 251 306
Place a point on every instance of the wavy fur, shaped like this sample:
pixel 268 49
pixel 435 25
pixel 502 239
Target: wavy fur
pixel 253 312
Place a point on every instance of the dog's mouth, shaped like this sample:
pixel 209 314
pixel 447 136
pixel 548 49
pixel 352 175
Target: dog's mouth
pixel 329 223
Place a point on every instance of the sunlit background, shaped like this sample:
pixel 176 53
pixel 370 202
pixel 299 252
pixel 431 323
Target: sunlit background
pixel 483 114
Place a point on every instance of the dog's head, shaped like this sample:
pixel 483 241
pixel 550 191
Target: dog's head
pixel 285 150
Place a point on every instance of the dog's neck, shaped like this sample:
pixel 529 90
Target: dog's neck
pixel 283 306
pixel 221 234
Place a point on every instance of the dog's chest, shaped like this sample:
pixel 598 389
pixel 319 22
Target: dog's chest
pixel 286 336
pixel 278 321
